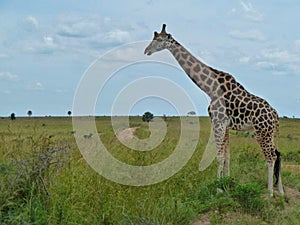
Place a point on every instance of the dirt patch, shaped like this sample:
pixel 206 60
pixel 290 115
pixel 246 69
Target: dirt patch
pixel 204 221
pixel 292 168
pixel 293 194
pixel 292 201
pixel 127 134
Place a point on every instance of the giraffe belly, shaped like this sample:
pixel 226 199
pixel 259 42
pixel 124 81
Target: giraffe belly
pixel 246 126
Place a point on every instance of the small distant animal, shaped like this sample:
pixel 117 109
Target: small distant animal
pixel 88 136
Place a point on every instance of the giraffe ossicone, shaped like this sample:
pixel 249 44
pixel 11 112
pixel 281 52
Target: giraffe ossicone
pixel 231 107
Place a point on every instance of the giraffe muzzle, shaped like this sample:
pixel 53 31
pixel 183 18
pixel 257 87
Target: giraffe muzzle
pixel 147 52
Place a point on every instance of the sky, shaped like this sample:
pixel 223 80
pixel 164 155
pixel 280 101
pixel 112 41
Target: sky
pixel 47 47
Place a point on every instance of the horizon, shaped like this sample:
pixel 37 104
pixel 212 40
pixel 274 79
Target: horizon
pixel 47 47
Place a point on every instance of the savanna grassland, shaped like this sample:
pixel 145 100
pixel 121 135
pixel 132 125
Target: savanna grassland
pixel 45 180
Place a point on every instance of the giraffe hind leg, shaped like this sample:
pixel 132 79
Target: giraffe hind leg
pixel 227 154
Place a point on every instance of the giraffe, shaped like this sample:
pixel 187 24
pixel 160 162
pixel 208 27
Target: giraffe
pixel 231 107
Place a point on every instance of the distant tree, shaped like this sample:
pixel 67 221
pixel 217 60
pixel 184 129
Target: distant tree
pixel 69 113
pixel 13 116
pixel 147 117
pixel 191 113
pixel 29 113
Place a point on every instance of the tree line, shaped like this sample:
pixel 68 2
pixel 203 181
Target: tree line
pixel 29 114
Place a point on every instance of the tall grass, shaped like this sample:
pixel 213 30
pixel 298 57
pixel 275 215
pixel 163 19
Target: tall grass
pixel 45 180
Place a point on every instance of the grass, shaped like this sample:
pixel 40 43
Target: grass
pixel 45 180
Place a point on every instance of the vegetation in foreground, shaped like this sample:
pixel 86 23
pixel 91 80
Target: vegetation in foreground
pixel 45 180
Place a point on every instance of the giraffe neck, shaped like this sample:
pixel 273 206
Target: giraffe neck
pixel 202 75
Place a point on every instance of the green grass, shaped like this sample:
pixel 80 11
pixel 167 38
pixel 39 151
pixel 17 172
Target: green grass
pixel 45 180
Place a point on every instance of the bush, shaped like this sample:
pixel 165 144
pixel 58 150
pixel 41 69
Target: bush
pixel 147 117
pixel 24 183
pixel 249 197
pixel 227 194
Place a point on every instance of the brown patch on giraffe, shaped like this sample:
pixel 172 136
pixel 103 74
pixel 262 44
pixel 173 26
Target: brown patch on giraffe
pixel 184 55
pixel 192 60
pixel 181 62
pixel 197 68
pixel 205 71
pixel 189 63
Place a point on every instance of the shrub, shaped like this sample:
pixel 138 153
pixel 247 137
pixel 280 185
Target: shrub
pixel 232 195
pixel 147 117
pixel 249 196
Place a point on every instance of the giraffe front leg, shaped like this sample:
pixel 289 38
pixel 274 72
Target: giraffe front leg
pixel 221 163
pixel 221 137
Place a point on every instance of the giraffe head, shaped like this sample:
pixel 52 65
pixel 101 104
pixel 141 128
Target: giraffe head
pixel 160 41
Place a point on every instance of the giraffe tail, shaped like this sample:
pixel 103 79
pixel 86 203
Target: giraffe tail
pixel 277 166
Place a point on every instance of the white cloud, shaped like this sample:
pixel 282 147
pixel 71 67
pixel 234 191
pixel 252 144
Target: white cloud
pixel 78 29
pixel 3 56
pixel 9 76
pixel 283 56
pixel 46 45
pixel 48 40
pixel 31 23
pixel 91 34
pixel 244 59
pixel 251 13
pixel 265 65
pixel 297 43
pixel 279 62
pixel 119 36
pixel 38 86
pixel 251 35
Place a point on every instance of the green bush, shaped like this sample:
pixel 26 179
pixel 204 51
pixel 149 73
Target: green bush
pixel 227 194
pixel 249 196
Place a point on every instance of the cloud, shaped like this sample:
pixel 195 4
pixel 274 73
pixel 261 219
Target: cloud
pixel 88 36
pixel 251 13
pixel 78 29
pixel 9 76
pixel 4 56
pixel 38 86
pixel 251 35
pixel 31 23
pixel 118 36
pixel 275 53
pixel 297 43
pixel 280 62
pixel 244 59
pixel 265 65
pixel 44 45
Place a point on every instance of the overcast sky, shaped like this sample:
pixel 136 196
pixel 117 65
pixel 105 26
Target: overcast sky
pixel 46 46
